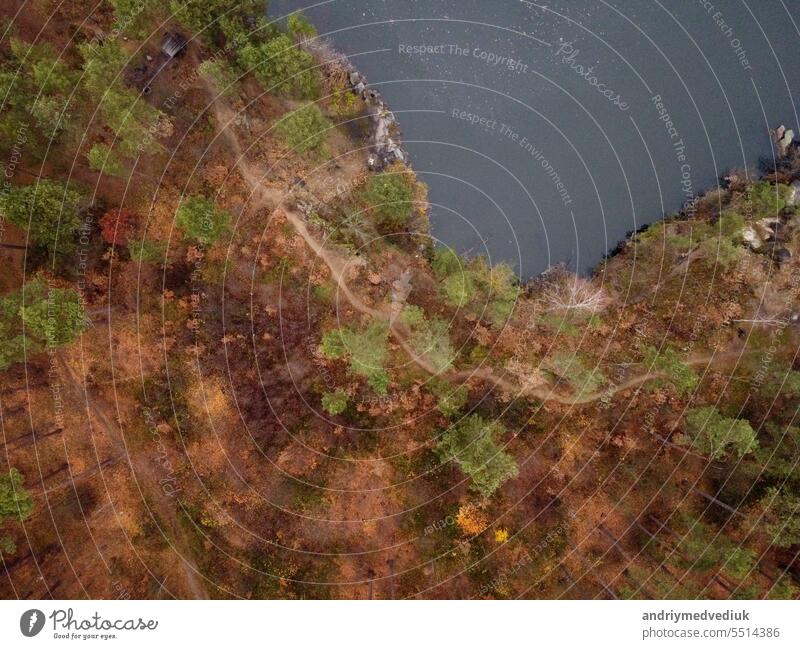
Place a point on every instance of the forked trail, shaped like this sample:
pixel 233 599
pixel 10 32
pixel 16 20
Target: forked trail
pixel 338 264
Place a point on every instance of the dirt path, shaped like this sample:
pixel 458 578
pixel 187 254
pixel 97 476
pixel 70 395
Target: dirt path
pixel 548 394
pixel 338 265
pixel 146 480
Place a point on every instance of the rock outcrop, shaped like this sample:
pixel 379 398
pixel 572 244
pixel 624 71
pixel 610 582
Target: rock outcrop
pixel 385 144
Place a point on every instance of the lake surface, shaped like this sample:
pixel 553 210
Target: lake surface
pixel 539 129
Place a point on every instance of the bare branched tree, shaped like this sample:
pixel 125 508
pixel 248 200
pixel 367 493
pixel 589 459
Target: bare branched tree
pixel 566 291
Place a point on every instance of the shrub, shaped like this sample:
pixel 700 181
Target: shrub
pixel 722 251
pixel 389 198
pixel 708 432
pixel 574 370
pixel 451 400
pixel 783 588
pixel 459 288
pixel 304 129
pixel 222 77
pixel 472 444
pixel 47 209
pixel 345 104
pixel 445 262
pixel 7 546
pixel 334 403
pixel 471 519
pixel 105 160
pixel 668 361
pixel 147 251
pixel 201 221
pixel 767 199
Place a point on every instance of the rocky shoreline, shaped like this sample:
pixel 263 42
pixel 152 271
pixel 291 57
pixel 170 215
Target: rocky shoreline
pixel 384 136
pixel 386 148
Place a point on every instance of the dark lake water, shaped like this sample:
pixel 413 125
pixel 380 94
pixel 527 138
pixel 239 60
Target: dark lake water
pixel 539 128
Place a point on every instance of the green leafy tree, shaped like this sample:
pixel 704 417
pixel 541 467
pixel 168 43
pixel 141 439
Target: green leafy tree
pixel 451 400
pixel 781 521
pixel 669 362
pixel 429 338
pixel 135 17
pixel 281 66
pixel 736 560
pixel 458 282
pixel 779 379
pixel 205 15
pixel 35 83
pixel 694 549
pixel 783 588
pixel 500 286
pixel 103 65
pixel 459 288
pixel 388 197
pixel 55 319
pixel 334 403
pixel 299 27
pixel 708 432
pixel 201 221
pixel 304 129
pixel 47 209
pixel 136 125
pixel 472 444
pixel 767 200
pixel 365 349
pixel 15 502
pixel 36 317
pixel 777 454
